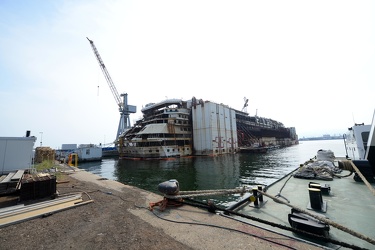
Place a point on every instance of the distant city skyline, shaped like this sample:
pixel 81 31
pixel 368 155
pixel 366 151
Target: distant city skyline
pixel 323 137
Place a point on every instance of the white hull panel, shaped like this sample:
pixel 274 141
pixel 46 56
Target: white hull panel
pixel 156 152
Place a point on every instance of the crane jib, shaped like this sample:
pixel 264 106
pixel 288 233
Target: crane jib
pixel 124 108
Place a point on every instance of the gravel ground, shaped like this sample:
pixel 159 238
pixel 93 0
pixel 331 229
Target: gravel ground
pixel 119 218
pixel 105 223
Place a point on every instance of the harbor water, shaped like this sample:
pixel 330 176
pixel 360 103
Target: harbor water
pixel 207 173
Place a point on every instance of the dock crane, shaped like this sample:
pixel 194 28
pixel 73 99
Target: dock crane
pixel 244 108
pixel 124 108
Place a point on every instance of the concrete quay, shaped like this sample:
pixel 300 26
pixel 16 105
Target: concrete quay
pixel 195 228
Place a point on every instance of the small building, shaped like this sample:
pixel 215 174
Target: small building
pixel 16 153
pixel 89 152
pixel 85 152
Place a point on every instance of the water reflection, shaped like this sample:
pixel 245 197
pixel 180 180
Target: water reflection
pixel 149 173
pixel 193 173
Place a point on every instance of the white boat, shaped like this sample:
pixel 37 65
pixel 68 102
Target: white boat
pixel 328 201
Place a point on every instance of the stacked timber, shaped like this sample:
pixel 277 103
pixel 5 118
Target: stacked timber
pixel 10 183
pixel 44 154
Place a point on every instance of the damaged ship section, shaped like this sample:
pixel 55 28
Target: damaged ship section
pixel 177 128
pixel 254 131
pixel 165 131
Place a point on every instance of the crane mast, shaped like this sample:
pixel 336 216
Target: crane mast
pixel 124 108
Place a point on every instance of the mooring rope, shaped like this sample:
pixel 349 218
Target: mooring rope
pixel 243 189
pixel 226 212
pixel 343 176
pixel 362 177
pixel 334 224
pixel 198 193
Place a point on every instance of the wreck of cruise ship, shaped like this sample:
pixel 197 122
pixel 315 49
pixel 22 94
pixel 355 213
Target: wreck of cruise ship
pixel 177 128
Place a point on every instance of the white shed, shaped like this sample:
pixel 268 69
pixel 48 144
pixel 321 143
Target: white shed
pixel 16 153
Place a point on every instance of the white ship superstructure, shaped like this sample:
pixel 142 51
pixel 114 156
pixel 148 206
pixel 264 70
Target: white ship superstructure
pixel 164 131
pixel 356 141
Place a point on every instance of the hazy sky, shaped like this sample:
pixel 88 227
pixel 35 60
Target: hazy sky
pixel 307 64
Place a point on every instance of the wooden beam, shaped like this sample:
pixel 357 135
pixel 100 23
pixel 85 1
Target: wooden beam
pixel 23 213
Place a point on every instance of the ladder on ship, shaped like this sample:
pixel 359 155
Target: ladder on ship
pixel 245 137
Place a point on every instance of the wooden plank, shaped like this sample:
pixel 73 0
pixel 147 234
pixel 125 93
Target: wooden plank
pixel 40 205
pixel 6 209
pixel 18 175
pixel 33 211
pixel 8 178
pixel 8 201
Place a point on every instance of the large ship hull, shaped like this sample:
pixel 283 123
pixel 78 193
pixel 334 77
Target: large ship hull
pixel 257 132
pixel 156 152
pixel 176 128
